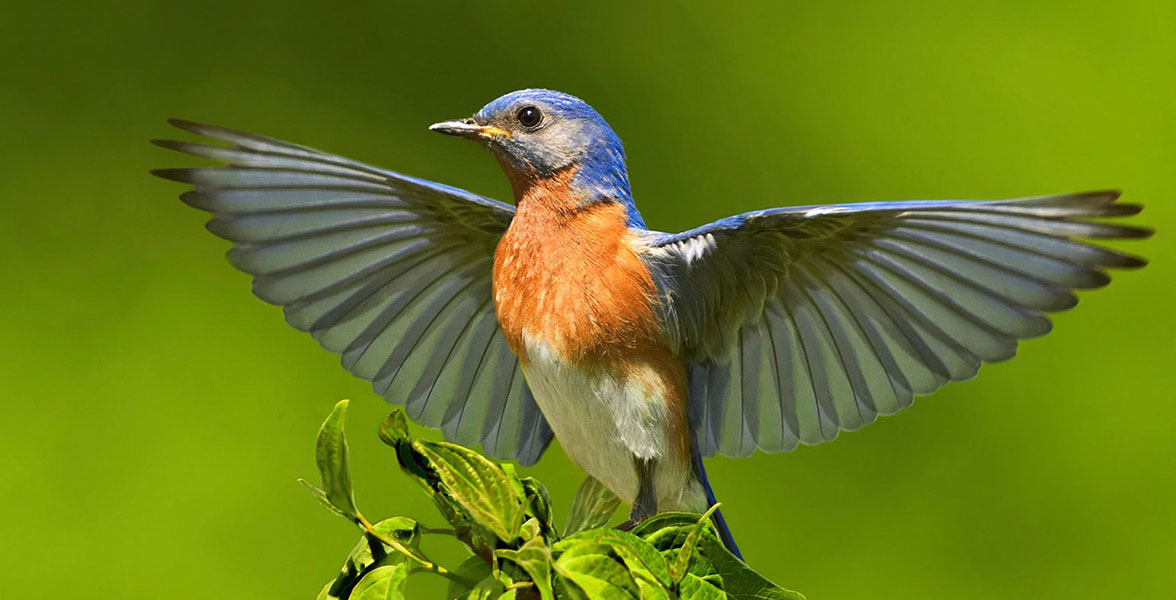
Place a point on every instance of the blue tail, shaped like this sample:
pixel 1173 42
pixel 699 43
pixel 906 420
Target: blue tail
pixel 720 522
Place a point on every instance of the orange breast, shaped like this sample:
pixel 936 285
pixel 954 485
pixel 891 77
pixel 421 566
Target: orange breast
pixel 569 277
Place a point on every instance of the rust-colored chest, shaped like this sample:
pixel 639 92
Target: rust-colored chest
pixel 575 303
pixel 569 277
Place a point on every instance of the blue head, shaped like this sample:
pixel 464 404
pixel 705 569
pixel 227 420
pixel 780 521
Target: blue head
pixel 540 134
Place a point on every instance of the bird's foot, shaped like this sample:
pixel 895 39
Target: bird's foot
pixel 645 505
pixel 629 524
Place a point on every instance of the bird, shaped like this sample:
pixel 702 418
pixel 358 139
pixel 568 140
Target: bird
pixel 641 351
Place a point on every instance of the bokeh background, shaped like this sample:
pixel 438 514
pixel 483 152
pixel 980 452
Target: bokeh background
pixel 155 415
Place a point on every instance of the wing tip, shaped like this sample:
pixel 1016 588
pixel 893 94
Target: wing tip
pixel 1131 261
pixel 181 175
pixel 1107 200
pixel 176 145
pixel 1098 197
pixel 1106 195
pixel 215 132
pixel 196 200
pixel 186 125
pixel 1124 209
pixel 1132 232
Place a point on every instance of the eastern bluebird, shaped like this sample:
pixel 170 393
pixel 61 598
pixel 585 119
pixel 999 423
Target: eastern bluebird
pixel 642 351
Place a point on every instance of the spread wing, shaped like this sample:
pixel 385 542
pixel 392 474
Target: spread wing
pixel 801 322
pixel 391 272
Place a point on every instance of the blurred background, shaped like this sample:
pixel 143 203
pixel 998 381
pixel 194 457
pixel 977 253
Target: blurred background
pixel 155 414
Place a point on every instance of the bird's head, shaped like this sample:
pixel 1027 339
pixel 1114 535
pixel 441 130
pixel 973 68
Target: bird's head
pixel 540 134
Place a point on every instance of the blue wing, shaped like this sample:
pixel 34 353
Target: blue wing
pixel 391 272
pixel 801 322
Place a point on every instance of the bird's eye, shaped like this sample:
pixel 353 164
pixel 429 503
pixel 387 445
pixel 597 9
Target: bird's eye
pixel 529 116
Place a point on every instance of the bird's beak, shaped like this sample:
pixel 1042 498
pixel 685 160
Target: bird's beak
pixel 469 129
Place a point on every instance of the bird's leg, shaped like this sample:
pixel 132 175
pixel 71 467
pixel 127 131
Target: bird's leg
pixel 645 505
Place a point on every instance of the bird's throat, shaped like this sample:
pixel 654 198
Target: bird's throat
pixel 567 189
pixel 554 194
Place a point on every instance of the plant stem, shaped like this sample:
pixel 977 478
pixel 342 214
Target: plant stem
pixel 425 564
pixel 438 530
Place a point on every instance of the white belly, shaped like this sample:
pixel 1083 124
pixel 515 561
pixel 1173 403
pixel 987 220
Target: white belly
pixel 604 421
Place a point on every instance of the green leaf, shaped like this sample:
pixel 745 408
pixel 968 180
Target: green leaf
pixel 538 505
pixel 483 501
pixel 645 564
pixel 686 552
pixel 506 520
pixel 370 553
pixel 480 539
pixel 325 593
pixel 593 507
pixel 394 429
pixel 475 569
pixel 644 561
pixel 321 496
pixel 382 583
pixel 694 587
pixel 589 569
pixel 741 582
pixel 668 533
pixel 481 487
pixel 534 557
pixel 666 530
pixel 331 456
pixel 530 529
pixel 472 569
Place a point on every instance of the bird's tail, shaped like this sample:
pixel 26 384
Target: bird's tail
pixel 717 517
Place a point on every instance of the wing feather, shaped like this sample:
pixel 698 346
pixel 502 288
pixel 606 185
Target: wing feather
pixel 802 322
pixel 391 272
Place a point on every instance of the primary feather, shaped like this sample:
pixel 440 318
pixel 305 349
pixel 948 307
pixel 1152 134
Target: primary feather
pixel 802 322
pixel 390 272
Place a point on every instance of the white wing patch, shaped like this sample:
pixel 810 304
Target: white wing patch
pixel 688 250
pixel 827 210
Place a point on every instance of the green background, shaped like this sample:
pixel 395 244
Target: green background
pixel 155 415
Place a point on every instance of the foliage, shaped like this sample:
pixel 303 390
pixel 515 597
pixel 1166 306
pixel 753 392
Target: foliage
pixel 516 552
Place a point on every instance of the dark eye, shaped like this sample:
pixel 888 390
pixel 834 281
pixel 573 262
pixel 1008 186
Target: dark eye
pixel 529 116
